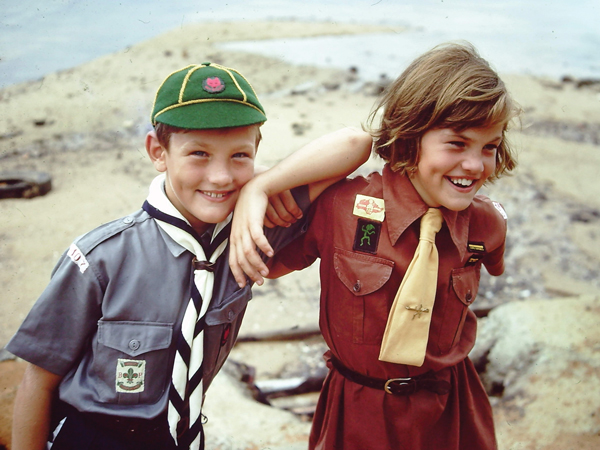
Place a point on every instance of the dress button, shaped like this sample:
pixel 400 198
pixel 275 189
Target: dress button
pixel 134 344
pixel 357 286
pixel 469 296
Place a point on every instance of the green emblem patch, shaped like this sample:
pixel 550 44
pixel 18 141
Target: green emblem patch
pixel 366 238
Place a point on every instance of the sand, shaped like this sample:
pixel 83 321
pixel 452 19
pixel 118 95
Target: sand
pixel 86 127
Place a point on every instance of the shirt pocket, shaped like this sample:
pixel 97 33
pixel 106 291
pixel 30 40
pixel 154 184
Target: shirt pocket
pixel 131 361
pixel 363 276
pixel 464 284
pixel 221 331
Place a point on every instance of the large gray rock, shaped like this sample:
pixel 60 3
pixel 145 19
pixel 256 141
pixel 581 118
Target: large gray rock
pixel 542 359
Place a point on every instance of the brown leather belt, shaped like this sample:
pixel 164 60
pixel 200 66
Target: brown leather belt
pixel 395 386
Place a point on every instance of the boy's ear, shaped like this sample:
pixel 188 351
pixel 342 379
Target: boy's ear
pixel 156 152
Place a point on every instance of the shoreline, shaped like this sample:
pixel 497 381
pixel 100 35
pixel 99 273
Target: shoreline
pixel 86 126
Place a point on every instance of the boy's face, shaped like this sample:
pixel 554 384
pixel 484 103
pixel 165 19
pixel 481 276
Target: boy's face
pixel 453 165
pixel 205 170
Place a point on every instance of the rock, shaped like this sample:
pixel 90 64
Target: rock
pixel 542 358
pixel 238 422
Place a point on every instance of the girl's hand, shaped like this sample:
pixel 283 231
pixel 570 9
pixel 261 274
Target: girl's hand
pixel 253 208
pixel 282 210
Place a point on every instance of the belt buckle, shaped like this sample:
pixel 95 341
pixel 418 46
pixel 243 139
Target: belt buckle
pixel 400 381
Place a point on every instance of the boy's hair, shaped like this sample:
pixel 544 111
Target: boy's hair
pixel 450 86
pixel 164 133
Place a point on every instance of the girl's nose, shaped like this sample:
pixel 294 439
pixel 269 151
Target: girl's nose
pixel 473 162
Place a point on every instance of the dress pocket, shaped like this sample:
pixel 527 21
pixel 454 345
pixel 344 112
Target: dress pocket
pixel 130 359
pixel 363 276
pixel 464 284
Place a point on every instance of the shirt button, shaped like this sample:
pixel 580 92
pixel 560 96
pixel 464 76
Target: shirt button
pixel 134 344
pixel 357 286
pixel 127 220
pixel 230 315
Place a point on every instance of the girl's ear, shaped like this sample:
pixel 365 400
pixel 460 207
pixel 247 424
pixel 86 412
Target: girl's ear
pixel 156 152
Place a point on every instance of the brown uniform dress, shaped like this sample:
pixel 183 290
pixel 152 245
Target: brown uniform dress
pixel 357 291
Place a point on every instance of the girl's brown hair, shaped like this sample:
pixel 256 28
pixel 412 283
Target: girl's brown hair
pixel 450 86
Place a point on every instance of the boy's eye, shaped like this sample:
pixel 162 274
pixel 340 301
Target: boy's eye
pixel 200 153
pixel 241 155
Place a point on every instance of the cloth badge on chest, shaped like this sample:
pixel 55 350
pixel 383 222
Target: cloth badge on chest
pixel 478 250
pixel 367 233
pixel 369 207
pixel 130 375
pixel 366 238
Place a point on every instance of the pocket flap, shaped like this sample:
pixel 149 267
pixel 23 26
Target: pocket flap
pixel 135 338
pixel 229 308
pixel 465 283
pixel 361 274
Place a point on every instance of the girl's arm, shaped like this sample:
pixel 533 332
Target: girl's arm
pixel 318 164
pixel 31 417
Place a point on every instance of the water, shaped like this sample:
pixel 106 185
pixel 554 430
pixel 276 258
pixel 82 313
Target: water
pixel 537 37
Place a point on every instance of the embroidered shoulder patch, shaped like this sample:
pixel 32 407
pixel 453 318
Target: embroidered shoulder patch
pixel 78 258
pixel 369 208
pixel 500 209
pixel 130 375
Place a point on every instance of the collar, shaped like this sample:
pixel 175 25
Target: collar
pixel 408 207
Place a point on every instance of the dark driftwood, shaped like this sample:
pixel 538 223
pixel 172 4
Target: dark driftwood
pixel 296 333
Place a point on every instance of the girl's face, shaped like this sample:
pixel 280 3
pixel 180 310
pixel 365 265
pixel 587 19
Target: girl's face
pixel 453 165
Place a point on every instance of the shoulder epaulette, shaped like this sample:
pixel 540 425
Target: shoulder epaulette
pixel 89 241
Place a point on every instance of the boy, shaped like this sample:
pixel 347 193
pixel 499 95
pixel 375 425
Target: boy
pixel 402 267
pixel 141 313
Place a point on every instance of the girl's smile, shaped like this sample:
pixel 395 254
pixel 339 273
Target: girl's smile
pixel 453 165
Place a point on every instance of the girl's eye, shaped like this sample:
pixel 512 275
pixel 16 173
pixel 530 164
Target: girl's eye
pixel 491 147
pixel 457 144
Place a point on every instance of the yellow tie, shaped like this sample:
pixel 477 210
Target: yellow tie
pixel 407 329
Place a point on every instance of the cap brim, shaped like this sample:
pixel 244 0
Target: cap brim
pixel 220 114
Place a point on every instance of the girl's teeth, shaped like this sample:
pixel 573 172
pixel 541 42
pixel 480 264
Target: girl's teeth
pixel 462 182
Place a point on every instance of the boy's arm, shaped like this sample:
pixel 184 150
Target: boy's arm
pixel 31 417
pixel 318 164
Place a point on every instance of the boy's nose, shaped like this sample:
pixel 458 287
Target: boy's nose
pixel 220 175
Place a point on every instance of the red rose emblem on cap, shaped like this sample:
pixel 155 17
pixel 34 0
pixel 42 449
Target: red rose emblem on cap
pixel 213 85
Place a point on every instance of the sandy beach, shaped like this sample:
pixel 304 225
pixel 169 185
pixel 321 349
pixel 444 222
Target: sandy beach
pixel 85 126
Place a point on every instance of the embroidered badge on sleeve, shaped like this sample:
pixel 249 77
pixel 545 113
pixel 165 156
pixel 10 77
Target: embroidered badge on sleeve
pixel 130 375
pixel 369 207
pixel 77 257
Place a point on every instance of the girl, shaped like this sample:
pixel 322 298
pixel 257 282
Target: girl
pixel 400 376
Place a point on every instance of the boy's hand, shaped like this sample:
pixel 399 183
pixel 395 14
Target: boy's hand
pixel 282 210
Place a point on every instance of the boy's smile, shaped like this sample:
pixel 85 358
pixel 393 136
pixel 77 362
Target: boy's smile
pixel 205 171
pixel 453 165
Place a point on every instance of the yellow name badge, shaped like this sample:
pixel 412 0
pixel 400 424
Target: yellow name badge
pixel 369 208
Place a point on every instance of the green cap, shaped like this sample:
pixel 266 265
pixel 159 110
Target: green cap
pixel 206 96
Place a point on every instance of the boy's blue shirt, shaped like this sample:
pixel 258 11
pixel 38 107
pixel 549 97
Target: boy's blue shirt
pixel 119 296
